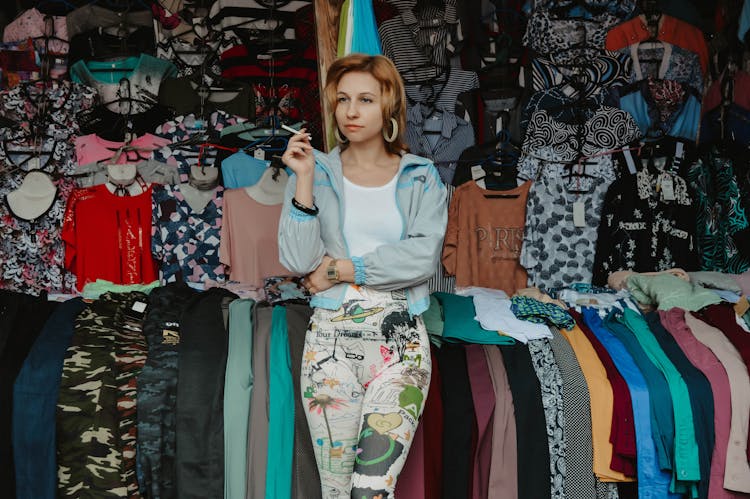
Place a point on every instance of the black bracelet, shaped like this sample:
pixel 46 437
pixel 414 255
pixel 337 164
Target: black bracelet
pixel 304 209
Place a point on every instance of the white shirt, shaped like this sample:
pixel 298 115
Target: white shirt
pixel 371 217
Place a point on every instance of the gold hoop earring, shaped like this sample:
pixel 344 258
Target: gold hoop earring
pixel 337 134
pixel 394 133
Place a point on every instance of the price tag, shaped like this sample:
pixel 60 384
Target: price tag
pixel 629 160
pixel 139 307
pixel 579 214
pixel 260 154
pixel 477 172
pixel 679 150
pixel 667 188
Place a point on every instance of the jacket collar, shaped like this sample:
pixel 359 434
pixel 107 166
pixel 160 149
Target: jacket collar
pixel 330 163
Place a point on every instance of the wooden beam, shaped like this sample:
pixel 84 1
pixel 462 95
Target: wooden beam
pixel 327 31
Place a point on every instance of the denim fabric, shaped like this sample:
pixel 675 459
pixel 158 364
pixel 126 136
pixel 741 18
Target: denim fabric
pixel 652 482
pixel 662 417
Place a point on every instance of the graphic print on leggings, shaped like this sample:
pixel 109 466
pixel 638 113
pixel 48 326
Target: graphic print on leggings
pixel 365 374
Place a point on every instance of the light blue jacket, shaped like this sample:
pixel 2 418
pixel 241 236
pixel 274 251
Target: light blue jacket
pixel 407 264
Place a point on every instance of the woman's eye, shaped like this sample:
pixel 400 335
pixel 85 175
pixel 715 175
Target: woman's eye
pixel 342 99
pixel 366 99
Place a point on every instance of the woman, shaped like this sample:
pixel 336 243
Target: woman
pixel 365 223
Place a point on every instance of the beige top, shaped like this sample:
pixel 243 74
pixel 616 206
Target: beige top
pixel 736 469
pixel 249 238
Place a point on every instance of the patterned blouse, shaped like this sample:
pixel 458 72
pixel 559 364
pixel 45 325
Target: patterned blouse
pixel 185 127
pixel 564 209
pixel 646 226
pixel 183 241
pixel 32 251
pixel 722 219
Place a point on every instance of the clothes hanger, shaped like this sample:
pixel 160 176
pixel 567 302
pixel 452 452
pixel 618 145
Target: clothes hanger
pixel 501 167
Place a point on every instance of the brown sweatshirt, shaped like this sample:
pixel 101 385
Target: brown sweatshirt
pixel 484 236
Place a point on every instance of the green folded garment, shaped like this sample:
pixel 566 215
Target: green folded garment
pixel 460 325
pixel 93 290
pixel 668 291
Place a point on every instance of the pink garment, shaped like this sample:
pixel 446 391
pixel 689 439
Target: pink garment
pixel 249 238
pixel 91 148
pixel 736 471
pixel 503 480
pixel 704 359
pixel 411 480
pixel 31 24
pixel 743 280
pixel 483 395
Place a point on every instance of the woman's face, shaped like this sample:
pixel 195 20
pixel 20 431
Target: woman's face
pixel 359 107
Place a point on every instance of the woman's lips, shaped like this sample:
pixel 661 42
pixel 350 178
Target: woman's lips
pixel 353 127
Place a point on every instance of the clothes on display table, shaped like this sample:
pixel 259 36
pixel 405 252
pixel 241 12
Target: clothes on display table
pixel 199 463
pixel 23 317
pixel 651 480
pixel 98 397
pixel 34 404
pixel 157 389
pixel 622 428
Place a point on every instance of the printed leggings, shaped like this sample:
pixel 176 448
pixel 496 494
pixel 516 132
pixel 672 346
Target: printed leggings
pixel 365 375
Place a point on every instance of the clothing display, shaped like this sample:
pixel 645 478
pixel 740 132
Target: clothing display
pixel 483 240
pixel 185 239
pixel 250 254
pixel 547 296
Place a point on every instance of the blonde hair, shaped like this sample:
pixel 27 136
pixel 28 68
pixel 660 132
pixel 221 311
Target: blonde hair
pixel 393 102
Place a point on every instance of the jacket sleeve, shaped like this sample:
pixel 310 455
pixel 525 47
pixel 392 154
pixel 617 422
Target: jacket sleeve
pixel 301 248
pixel 413 259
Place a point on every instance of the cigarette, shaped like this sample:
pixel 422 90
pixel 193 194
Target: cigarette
pixel 290 129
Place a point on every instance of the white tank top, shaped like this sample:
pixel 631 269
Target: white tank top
pixel 371 216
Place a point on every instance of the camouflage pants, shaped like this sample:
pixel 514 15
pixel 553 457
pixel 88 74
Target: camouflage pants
pixel 96 405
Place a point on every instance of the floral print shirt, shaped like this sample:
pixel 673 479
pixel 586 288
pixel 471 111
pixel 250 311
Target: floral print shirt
pixel 183 241
pixel 32 251
pixel 646 226
pixel 722 220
